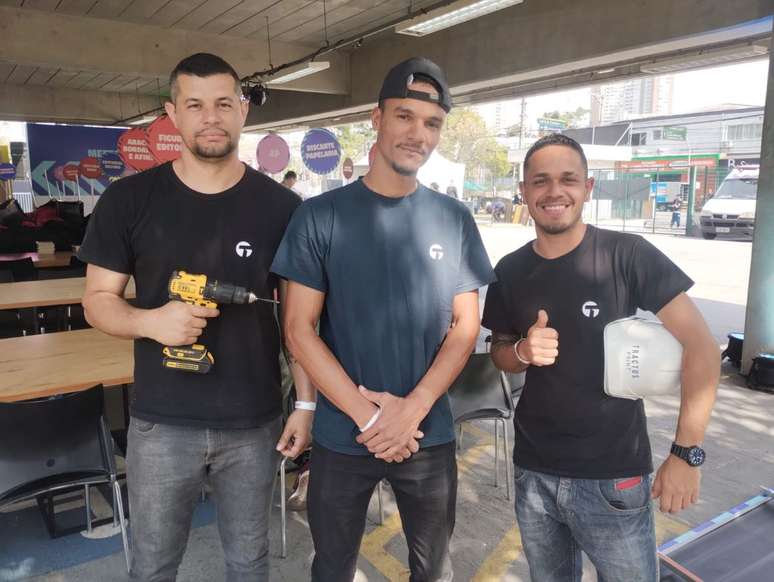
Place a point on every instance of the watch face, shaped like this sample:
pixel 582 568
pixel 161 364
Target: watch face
pixel 696 456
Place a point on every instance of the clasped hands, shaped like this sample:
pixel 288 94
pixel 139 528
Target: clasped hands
pixel 395 434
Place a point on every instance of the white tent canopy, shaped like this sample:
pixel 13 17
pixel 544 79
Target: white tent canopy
pixel 437 169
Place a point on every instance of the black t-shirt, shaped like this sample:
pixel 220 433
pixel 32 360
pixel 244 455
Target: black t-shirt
pixel 565 424
pixel 151 224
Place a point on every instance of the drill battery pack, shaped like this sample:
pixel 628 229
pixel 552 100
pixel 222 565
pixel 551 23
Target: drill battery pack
pixel 194 358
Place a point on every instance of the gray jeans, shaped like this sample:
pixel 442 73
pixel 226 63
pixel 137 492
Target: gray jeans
pixel 166 467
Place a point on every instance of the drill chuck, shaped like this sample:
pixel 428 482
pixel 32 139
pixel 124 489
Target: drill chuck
pixel 225 293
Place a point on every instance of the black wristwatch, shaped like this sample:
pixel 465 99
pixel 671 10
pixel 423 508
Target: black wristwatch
pixel 694 455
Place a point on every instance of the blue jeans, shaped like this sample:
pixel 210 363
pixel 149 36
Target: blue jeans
pixel 166 467
pixel 611 520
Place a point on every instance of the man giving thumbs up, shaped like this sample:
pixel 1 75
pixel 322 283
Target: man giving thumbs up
pixel 582 458
pixel 541 346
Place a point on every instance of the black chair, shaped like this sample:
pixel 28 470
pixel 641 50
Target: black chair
pixel 20 269
pixel 482 392
pixel 55 445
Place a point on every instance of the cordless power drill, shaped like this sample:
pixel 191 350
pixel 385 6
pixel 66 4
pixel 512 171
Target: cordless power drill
pixel 198 290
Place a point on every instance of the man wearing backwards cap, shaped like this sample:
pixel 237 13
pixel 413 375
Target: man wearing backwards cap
pixel 391 270
pixel 583 459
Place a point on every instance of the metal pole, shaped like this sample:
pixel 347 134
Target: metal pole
pixel 759 324
pixel 655 203
pixel 691 201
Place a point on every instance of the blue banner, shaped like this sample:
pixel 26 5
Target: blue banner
pixel 320 151
pixel 54 146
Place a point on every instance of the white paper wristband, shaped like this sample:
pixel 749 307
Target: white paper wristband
pixel 305 405
pixel 373 420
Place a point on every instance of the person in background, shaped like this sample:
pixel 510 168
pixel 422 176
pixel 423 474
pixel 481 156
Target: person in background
pixel 676 206
pixel 290 179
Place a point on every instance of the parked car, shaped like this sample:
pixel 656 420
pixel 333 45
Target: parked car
pixel 731 211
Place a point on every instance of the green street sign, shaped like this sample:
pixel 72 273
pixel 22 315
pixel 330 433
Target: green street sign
pixel 548 124
pixel 674 133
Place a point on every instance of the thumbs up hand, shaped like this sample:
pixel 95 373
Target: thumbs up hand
pixel 541 346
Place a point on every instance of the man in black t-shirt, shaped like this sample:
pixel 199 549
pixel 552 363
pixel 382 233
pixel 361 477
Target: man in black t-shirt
pixel 204 213
pixel 583 459
pixel 391 270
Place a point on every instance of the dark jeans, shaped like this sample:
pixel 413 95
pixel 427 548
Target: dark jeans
pixel 609 519
pixel 340 487
pixel 166 467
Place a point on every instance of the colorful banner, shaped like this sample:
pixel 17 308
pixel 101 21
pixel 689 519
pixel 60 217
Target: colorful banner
pixel 55 146
pixel 320 151
pixel 90 167
pixel 134 151
pixel 112 164
pixel 164 141
pixel 347 168
pixel 273 154
pixel 7 171
pixel 70 172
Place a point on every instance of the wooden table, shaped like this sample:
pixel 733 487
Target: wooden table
pixel 57 363
pixel 48 292
pixel 42 260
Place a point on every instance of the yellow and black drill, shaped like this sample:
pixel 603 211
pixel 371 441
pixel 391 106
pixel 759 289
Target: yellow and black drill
pixel 198 290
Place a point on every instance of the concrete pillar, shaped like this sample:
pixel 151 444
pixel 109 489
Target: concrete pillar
pixel 759 324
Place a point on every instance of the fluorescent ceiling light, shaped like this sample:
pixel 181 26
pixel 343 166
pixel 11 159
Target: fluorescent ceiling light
pixel 452 15
pixel 144 120
pixel 708 58
pixel 297 72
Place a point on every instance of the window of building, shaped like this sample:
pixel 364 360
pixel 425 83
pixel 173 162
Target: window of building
pixel 745 131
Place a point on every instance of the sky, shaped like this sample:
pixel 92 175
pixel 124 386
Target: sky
pixel 743 83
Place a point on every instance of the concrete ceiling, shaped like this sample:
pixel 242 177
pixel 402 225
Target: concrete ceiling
pixel 128 47
pixel 102 61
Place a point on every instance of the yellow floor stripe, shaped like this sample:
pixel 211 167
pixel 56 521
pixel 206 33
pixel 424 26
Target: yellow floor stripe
pixel 375 542
pixel 496 564
pixel 373 549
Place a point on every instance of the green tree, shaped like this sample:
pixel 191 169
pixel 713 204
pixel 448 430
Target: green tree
pixel 465 140
pixel 355 139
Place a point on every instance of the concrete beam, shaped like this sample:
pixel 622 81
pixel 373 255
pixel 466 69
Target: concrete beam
pixel 41 103
pixel 544 45
pixel 533 37
pixel 79 43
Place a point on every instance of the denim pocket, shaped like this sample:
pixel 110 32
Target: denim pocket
pixel 142 426
pixel 519 473
pixel 625 495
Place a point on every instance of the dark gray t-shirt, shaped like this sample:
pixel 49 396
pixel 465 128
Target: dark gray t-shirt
pixel 390 268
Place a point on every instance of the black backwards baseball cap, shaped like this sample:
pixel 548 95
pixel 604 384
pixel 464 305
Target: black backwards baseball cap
pixel 416 69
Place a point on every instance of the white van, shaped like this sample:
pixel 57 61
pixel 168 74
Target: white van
pixel 731 211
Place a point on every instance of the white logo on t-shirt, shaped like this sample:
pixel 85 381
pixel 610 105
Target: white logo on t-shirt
pixel 244 249
pixel 436 252
pixel 590 309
